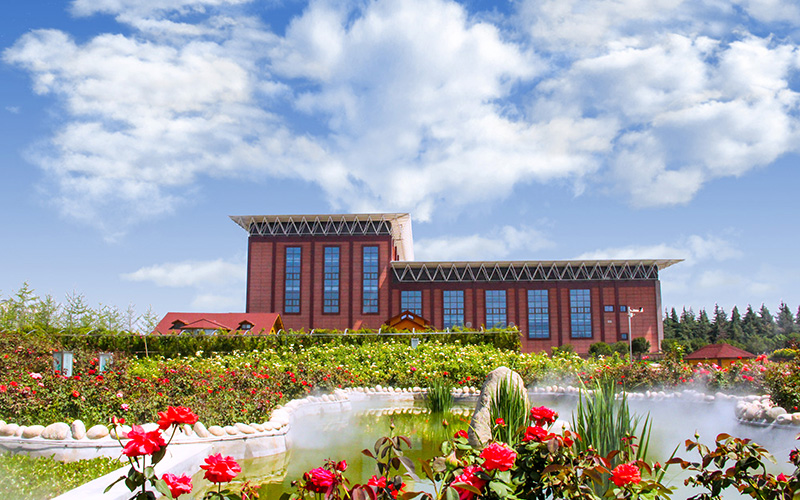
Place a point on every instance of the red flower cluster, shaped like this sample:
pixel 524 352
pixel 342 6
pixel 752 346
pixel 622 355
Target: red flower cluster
pixel 220 469
pixel 497 456
pixel 319 480
pixel 178 485
pixel 381 484
pixel 461 434
pixel 175 415
pixel 535 433
pixel 468 476
pixel 142 443
pixel 542 416
pixel 625 474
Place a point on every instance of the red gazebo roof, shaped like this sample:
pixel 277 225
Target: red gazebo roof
pixel 720 351
pixel 176 322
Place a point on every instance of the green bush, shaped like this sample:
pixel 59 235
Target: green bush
pixel 26 478
pixel 600 349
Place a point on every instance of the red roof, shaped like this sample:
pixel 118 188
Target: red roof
pixel 720 351
pixel 176 322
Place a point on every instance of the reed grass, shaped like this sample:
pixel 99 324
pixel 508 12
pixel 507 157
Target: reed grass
pixel 440 396
pixel 509 402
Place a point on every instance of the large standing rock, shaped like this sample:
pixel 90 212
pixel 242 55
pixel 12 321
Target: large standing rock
pixel 480 429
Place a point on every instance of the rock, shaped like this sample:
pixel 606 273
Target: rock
pixel 216 430
pixel 32 431
pixel 752 412
pixel 231 430
pixel 244 428
pixel 480 429
pixel 774 412
pixel 201 430
pixel 150 427
pixel 784 419
pixel 97 432
pixel 78 429
pixel 257 427
pixel 58 430
pixel 187 430
pixel 8 429
pixel 20 430
pixel 120 431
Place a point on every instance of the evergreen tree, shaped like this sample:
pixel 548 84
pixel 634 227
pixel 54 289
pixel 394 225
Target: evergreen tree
pixel 686 330
pixel 735 331
pixel 750 323
pixel 703 327
pixel 671 324
pixel 784 323
pixel 766 322
pixel 719 328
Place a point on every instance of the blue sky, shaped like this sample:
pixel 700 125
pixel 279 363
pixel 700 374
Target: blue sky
pixel 534 129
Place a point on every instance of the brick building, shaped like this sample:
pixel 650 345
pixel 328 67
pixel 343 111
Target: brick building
pixel 358 270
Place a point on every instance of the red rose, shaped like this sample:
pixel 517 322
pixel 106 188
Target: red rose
pixel 461 434
pixel 75 394
pixel 543 415
pixel 319 480
pixel 3 388
pixel 497 456
pixel 341 466
pixel 535 433
pixel 175 415
pixel 380 484
pixel 782 478
pixel 468 477
pixel 142 443
pixel 625 474
pixel 219 469
pixel 178 485
pixel 500 422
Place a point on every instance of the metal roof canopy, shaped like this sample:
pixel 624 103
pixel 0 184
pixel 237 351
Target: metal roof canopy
pixel 337 224
pixel 536 270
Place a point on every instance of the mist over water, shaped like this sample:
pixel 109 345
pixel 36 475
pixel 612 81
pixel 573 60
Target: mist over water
pixel 342 436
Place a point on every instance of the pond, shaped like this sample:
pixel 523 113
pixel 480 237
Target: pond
pixel 342 436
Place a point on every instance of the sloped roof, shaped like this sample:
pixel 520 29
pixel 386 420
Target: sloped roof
pixel 408 316
pixel 219 321
pixel 720 351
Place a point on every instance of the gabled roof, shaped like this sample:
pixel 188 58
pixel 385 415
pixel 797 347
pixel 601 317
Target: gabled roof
pixel 409 318
pixel 720 351
pixel 262 322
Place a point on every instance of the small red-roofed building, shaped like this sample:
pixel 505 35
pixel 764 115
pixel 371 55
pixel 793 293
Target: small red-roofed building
pixel 408 321
pixel 176 323
pixel 720 354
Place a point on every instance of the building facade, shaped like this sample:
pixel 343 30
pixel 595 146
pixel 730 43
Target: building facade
pixel 358 271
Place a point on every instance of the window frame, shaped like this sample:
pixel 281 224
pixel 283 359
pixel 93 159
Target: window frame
pixel 287 308
pixel 535 310
pixel 580 313
pixel 367 308
pixel 491 303
pixel 447 299
pixel 326 271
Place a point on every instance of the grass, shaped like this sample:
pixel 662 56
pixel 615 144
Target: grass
pixel 440 396
pixel 26 478
pixel 510 403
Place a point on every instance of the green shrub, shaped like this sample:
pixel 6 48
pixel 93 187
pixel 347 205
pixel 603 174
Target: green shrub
pixel 600 349
pixel 26 478
pixel 440 396
pixel 509 403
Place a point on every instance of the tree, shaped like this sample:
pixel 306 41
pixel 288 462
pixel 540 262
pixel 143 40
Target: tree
pixel 702 329
pixel 735 331
pixel 784 323
pixel 750 323
pixel 686 331
pixel 719 327
pixel 671 324
pixel 766 322
pixel 640 345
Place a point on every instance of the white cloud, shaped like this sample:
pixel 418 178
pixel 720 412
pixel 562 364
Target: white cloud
pixel 13 109
pixel 415 105
pixel 209 302
pixel 694 249
pixel 502 244
pixel 198 274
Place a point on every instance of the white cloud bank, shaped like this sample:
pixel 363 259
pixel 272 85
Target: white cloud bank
pixel 198 274
pixel 413 105
pixel 499 245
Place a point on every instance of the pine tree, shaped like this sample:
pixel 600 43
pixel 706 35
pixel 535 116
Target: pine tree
pixel 735 331
pixel 687 325
pixel 784 323
pixel 766 322
pixel 671 324
pixel 719 328
pixel 702 329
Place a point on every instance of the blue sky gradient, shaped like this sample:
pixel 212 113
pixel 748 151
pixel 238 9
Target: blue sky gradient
pixel 534 129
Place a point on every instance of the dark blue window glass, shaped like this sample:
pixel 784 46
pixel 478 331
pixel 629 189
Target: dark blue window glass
pixel 538 314
pixel 495 308
pixel 580 310
pixel 331 281
pixel 411 300
pixel 292 291
pixel 453 302
pixel 370 280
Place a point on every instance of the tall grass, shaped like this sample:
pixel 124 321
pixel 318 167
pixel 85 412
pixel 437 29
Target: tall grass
pixel 509 402
pixel 606 423
pixel 440 396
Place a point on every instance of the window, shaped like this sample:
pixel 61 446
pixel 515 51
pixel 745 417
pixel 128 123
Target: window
pixel 370 280
pixel 453 302
pixel 411 300
pixel 623 309
pixel 291 298
pixel 538 314
pixel 495 308
pixel 330 278
pixel 608 309
pixel 580 311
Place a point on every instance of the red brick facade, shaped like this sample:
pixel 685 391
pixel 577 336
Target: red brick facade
pixel 266 290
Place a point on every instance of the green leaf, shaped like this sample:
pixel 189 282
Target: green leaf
pixel 162 487
pixel 450 494
pixel 149 472
pixel 112 484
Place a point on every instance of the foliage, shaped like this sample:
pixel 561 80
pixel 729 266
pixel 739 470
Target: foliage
pixel 27 478
pixel 440 396
pixel 508 410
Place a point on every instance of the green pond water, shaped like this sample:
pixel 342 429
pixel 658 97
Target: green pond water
pixel 342 436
